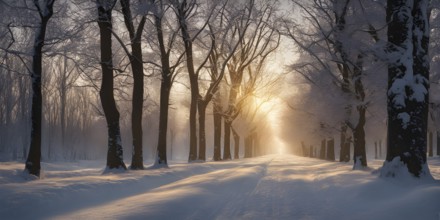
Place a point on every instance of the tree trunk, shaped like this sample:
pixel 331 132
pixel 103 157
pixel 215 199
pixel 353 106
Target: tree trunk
pixel 248 146
pixel 202 133
pixel 380 149
pixel 408 88
pixel 430 145
pixel 359 154
pixel 165 89
pixel 236 143
pixel 344 69
pixel 331 150
pixel 63 97
pixel 193 79
pixel 438 143
pixel 32 165
pixel 322 151
pixel 375 150
pixel 114 153
pixel 227 141
pixel 217 109
pixel 138 84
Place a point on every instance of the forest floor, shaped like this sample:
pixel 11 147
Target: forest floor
pixel 268 187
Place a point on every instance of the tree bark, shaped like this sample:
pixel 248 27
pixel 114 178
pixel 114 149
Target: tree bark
pixel 359 154
pixel 165 89
pixel 236 143
pixel 408 30
pixel 138 84
pixel 182 11
pixel 202 134
pixel 438 143
pixel 227 141
pixel 114 153
pixel 33 160
pixel 217 109
pixel 430 145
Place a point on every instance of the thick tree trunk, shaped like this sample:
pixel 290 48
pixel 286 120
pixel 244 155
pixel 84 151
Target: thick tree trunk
pixel 236 143
pixel 138 84
pixel 227 141
pixel 331 150
pixel 217 109
pixel 408 88
pixel 359 154
pixel 114 153
pixel 165 88
pixel 322 151
pixel 33 160
pixel 202 133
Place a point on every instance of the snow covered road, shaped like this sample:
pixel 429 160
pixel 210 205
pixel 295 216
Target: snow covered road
pixel 269 187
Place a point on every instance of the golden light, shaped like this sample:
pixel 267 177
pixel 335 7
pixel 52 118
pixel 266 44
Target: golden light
pixel 270 109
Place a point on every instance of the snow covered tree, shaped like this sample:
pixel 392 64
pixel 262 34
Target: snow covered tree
pixel 337 42
pixel 166 45
pixel 114 153
pixel 45 10
pixel 184 11
pixel 408 86
pixel 217 70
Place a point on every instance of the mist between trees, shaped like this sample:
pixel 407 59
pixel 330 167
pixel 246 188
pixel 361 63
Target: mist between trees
pixel 217 80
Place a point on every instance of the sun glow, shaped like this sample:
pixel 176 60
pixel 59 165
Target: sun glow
pixel 271 110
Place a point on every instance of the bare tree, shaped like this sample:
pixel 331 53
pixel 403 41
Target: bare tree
pixel 333 53
pixel 45 10
pixel 184 11
pixel 222 50
pixel 135 57
pixel 168 73
pixel 261 40
pixel 114 154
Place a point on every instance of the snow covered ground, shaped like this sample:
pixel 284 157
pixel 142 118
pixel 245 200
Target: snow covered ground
pixel 269 187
